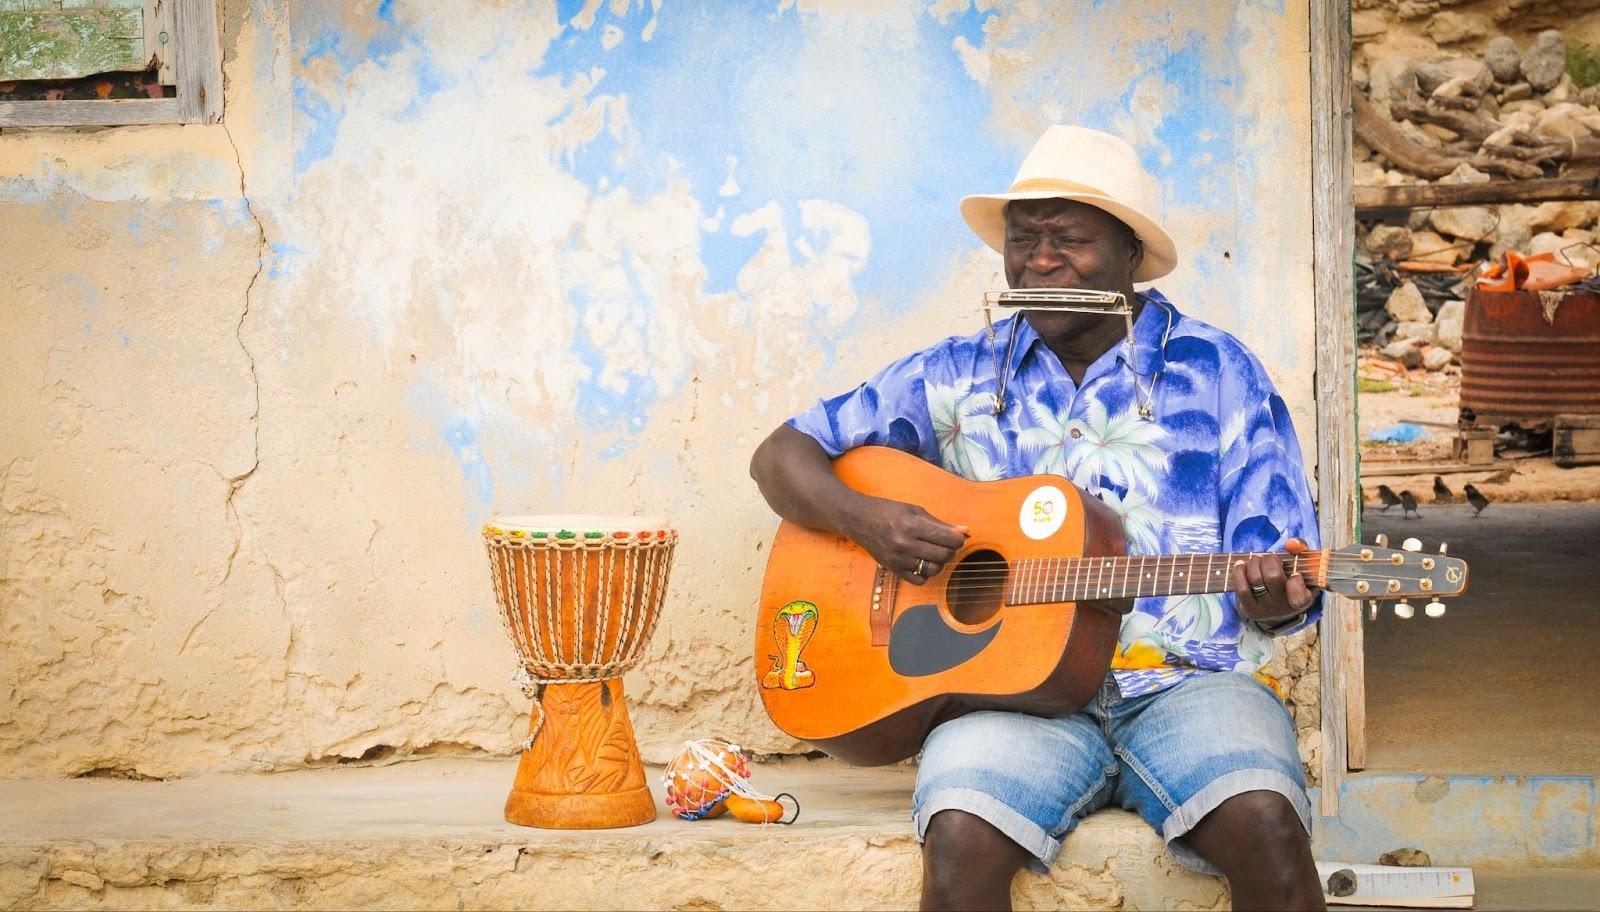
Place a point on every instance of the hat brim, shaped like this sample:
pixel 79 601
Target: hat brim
pixel 985 215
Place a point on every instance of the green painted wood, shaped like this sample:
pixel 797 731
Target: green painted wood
pixel 66 39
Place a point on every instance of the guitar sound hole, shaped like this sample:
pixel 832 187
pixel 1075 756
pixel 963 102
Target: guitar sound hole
pixel 976 586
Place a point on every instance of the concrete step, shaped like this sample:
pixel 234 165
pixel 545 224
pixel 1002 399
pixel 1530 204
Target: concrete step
pixel 429 835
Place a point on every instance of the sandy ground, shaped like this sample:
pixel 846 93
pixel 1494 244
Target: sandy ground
pixel 1505 682
pixel 1432 401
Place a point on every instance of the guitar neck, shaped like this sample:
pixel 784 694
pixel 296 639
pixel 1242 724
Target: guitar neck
pixel 1042 580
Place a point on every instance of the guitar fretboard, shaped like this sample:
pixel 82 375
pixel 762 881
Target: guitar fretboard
pixel 1040 580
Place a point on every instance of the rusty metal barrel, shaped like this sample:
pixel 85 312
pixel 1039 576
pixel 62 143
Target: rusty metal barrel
pixel 1527 356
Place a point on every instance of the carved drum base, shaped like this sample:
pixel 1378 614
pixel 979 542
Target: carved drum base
pixel 583 770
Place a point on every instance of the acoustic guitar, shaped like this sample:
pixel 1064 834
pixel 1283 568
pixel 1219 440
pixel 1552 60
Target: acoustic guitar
pixel 1025 617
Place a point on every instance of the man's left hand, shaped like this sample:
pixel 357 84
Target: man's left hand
pixel 1265 593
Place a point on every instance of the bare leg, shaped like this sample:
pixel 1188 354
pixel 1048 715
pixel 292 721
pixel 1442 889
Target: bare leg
pixel 967 863
pixel 1257 840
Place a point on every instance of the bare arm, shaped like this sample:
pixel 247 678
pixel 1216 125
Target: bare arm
pixel 796 477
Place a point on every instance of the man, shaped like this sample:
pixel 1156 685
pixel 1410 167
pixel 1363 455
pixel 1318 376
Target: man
pixel 1180 431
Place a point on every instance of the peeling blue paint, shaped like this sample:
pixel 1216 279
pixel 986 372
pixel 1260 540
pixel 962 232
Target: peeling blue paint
pixel 697 95
pixel 1537 820
pixel 324 117
pixel 280 258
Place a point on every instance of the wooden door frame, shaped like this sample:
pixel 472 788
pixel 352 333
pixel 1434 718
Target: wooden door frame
pixel 1333 281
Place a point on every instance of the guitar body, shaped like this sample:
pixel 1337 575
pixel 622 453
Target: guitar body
pixel 861 664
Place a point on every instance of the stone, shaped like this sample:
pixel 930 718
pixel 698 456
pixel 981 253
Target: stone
pixel 1531 105
pixel 1429 247
pixel 1447 325
pixel 1589 97
pixel 1368 24
pixel 1389 78
pixel 1436 358
pixel 1406 858
pixel 1416 134
pixel 1577 250
pixel 1514 231
pixel 1544 62
pixel 1431 75
pixel 1473 223
pixel 1405 351
pixel 1475 73
pixel 1417 220
pixel 1465 174
pixel 1561 215
pixel 1502 59
pixel 1516 120
pixel 1564 91
pixel 1406 305
pixel 1563 121
pixel 1442 134
pixel 1421 333
pixel 1451 27
pixel 1390 241
pixel 1369 174
pixel 1358 76
pixel 1517 91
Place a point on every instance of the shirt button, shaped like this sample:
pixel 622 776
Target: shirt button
pixel 1076 433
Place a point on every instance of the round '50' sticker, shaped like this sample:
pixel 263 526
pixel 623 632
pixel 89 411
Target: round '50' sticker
pixel 1043 512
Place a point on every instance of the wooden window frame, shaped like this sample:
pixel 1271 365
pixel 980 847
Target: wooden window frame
pixel 197 71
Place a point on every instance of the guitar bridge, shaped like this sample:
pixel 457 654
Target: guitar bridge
pixel 885 591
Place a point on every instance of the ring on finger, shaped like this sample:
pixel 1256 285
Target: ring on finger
pixel 922 565
pixel 1258 590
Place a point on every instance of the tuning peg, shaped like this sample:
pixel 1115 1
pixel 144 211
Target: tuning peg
pixel 1404 611
pixel 1434 609
pixel 1444 548
pixel 1411 544
pixel 1381 540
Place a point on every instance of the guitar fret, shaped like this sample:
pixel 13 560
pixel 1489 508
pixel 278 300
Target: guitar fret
pixel 1054 579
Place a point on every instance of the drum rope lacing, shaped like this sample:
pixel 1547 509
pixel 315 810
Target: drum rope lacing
pixel 532 629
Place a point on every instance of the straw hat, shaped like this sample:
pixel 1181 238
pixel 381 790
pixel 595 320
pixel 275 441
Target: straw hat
pixel 1089 166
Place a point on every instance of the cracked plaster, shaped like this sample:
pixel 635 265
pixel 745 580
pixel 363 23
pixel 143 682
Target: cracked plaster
pixel 233 535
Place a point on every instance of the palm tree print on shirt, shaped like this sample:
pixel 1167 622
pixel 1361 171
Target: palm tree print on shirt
pixel 970 441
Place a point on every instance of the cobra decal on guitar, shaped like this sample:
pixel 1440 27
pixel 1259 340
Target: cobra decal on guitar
pixel 791 630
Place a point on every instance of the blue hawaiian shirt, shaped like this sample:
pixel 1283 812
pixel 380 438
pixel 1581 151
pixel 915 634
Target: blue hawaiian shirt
pixel 1216 468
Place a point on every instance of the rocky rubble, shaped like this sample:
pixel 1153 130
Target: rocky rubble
pixel 1425 114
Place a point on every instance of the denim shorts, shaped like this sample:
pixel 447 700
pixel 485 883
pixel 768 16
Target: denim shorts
pixel 1172 756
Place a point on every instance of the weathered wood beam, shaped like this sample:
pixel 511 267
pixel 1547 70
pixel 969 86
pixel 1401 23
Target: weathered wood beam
pixel 1343 716
pixel 1375 200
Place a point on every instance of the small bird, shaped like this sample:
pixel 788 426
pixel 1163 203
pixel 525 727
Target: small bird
pixel 1476 498
pixel 1386 494
pixel 1500 477
pixel 1441 491
pixel 1408 505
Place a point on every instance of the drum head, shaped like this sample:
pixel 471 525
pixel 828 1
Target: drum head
pixel 553 524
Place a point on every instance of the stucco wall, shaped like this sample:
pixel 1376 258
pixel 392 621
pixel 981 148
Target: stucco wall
pixel 264 380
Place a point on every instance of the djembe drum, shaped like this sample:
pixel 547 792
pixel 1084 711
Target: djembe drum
pixel 580 596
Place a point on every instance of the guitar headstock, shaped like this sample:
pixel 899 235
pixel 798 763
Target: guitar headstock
pixel 1377 572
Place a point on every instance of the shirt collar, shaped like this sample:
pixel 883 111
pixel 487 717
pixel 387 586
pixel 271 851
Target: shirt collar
pixel 1149 336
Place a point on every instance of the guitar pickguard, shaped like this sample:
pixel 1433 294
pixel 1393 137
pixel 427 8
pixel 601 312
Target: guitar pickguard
pixel 921 643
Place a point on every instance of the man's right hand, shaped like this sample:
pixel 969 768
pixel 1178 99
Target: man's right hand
pixel 904 538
